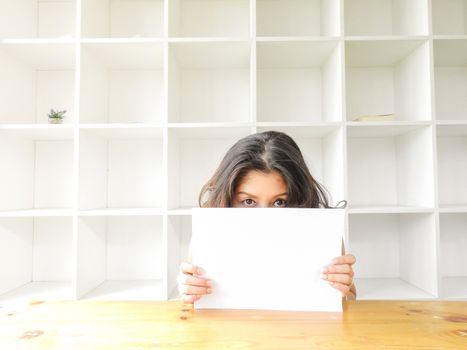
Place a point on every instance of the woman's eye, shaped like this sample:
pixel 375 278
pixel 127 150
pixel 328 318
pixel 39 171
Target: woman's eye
pixel 248 202
pixel 280 203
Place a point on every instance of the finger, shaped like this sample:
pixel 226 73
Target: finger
pixel 344 259
pixel 189 299
pixel 338 269
pixel 344 289
pixel 340 278
pixel 191 269
pixel 194 281
pixel 184 278
pixel 189 290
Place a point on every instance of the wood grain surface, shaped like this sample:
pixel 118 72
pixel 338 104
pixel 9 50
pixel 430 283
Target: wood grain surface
pixel 173 325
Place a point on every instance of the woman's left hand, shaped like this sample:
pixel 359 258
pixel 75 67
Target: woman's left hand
pixel 340 274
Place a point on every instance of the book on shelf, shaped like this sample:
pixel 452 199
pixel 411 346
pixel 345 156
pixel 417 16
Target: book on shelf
pixel 374 117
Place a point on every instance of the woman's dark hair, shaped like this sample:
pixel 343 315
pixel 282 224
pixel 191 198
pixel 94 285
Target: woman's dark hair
pixel 265 151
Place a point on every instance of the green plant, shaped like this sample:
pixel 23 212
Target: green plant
pixel 56 114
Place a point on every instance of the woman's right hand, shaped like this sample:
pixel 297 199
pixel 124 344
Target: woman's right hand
pixel 190 285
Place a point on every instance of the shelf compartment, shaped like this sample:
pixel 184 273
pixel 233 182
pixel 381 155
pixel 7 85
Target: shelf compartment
pixel 388 77
pixel 122 83
pixel 390 166
pixel 452 165
pixel 450 61
pixel 388 289
pixel 449 17
pixel 454 287
pixel 323 151
pixel 396 255
pixel 36 169
pixel 453 243
pixel 386 17
pixel 128 290
pixel 298 17
pixel 209 82
pixel 35 255
pixel 120 168
pixel 36 78
pixel 299 80
pixel 122 18
pixel 178 242
pixel 120 257
pixel 37 18
pixel 226 18
pixel 187 149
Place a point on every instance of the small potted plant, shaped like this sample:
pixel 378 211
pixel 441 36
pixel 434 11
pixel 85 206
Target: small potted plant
pixel 56 117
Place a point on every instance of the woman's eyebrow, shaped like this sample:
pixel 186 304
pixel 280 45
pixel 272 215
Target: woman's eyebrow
pixel 251 195
pixel 281 194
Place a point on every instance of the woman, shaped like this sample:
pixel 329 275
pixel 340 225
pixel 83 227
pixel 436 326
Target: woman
pixel 265 169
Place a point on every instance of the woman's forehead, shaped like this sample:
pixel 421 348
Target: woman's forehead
pixel 256 181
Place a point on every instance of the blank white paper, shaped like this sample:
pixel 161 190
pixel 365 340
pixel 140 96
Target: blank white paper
pixel 267 258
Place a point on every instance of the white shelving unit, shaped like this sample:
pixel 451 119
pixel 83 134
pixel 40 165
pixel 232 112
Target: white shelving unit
pixel 37 170
pixel 102 243
pixel 384 166
pixel 156 91
pixel 36 76
pixel 450 61
pixel 452 166
pixel 386 17
pixel 120 168
pixel 388 77
pixel 227 18
pixel 449 17
pixel 453 261
pixel 37 18
pixel 298 18
pixel 36 256
pixel 121 83
pixel 299 81
pixel 209 82
pixel 122 18
pixel 397 255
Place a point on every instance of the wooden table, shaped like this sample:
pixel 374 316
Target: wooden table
pixel 172 325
